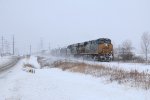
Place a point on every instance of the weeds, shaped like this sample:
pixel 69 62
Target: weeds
pixel 42 62
pixel 133 77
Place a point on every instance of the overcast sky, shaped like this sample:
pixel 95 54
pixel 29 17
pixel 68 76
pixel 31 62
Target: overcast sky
pixel 63 22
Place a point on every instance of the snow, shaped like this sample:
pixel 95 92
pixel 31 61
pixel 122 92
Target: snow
pixel 129 66
pixel 122 65
pixel 33 61
pixel 125 66
pixel 54 84
pixel 7 60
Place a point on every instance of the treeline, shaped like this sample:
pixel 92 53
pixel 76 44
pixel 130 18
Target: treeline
pixel 125 51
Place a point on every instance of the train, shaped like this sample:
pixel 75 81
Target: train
pixel 100 49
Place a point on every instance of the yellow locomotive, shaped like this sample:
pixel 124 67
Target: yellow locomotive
pixel 100 49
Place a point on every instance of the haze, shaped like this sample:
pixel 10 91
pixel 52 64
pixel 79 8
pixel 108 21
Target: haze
pixel 63 22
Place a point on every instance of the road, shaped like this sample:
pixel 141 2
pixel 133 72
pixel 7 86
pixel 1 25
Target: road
pixel 8 62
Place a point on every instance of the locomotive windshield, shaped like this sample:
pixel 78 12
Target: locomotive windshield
pixel 101 41
pixel 107 41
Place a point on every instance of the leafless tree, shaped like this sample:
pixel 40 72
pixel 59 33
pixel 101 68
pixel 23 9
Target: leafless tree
pixel 126 50
pixel 145 44
pixel 127 46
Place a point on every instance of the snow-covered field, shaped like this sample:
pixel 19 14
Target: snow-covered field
pixel 128 66
pixel 54 84
pixel 122 65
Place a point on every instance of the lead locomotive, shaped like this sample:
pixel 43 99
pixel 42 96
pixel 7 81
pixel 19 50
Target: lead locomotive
pixel 100 49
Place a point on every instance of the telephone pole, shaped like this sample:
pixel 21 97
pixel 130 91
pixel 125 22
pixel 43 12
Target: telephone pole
pixel 13 45
pixel 30 49
pixel 41 45
pixel 2 46
pixel 49 47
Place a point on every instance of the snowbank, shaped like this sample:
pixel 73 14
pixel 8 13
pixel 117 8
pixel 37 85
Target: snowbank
pixel 32 60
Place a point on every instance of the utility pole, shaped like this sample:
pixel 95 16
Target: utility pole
pixel 13 45
pixel 49 47
pixel 2 46
pixel 41 44
pixel 30 50
pixel 6 47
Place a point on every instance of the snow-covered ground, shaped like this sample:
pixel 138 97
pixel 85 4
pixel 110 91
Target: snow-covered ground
pixel 128 66
pixel 122 65
pixel 33 61
pixel 54 84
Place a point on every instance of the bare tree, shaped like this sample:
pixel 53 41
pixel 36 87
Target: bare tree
pixel 127 46
pixel 126 50
pixel 145 44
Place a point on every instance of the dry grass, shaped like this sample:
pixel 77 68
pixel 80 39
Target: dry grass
pixel 28 65
pixel 133 77
pixel 28 68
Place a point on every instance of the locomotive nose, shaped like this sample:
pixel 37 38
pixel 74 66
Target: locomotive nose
pixel 106 45
pixel 106 49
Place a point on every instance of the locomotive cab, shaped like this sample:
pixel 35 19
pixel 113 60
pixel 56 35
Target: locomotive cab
pixel 105 49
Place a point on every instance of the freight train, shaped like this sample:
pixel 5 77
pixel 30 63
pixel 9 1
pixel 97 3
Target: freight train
pixel 100 49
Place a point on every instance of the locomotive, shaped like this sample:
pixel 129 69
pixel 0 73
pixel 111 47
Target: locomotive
pixel 100 49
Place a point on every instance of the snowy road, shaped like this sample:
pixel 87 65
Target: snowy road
pixel 54 84
pixel 7 62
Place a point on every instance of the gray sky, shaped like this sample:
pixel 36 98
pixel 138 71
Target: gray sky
pixel 63 22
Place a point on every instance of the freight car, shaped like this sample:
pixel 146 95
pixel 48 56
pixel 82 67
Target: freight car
pixel 100 49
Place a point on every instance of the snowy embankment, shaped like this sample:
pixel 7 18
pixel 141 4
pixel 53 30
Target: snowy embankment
pixel 7 62
pixel 54 84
